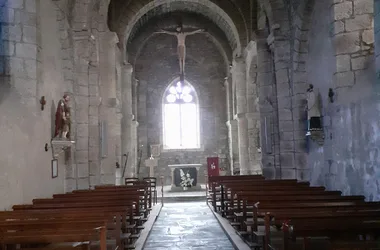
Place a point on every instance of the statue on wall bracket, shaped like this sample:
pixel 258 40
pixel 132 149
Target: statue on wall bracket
pixel 61 139
pixel 62 119
pixel 314 117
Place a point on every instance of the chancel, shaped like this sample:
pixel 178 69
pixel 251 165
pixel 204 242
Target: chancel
pixel 199 124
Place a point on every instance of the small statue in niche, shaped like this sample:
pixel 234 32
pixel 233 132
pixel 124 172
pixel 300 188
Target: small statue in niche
pixel 315 129
pixel 66 124
pixel 62 118
pixel 313 110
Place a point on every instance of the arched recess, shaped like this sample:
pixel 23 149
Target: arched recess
pixel 190 21
pixel 204 7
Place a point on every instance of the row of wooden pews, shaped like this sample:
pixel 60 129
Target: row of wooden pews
pixel 290 215
pixel 107 217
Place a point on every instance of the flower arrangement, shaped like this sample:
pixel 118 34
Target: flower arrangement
pixel 187 181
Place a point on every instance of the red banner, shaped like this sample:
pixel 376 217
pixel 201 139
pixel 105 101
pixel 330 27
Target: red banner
pixel 213 166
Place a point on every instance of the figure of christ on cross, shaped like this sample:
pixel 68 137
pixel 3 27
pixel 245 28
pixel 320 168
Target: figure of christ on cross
pixel 181 47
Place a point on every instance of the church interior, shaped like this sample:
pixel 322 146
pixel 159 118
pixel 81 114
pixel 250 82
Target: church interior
pixel 189 124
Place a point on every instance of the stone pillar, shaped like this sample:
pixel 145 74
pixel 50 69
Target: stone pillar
pixel 233 144
pixel 126 123
pixel 253 113
pixel 110 106
pixel 239 80
pixel 135 125
pixel 134 146
pixel 82 102
pixel 254 145
pixel 93 115
pixel 265 82
pixel 377 39
pixel 135 94
pixel 228 86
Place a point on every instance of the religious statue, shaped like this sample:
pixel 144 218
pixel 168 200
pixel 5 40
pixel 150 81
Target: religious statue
pixel 313 110
pixel 62 118
pixel 181 47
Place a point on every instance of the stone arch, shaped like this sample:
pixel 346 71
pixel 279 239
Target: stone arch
pixel 277 15
pixel 206 8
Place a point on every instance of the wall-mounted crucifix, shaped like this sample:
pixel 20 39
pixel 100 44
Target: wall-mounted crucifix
pixel 181 47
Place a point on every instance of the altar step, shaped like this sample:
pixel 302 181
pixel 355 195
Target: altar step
pixel 174 199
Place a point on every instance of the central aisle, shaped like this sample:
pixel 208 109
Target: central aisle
pixel 187 226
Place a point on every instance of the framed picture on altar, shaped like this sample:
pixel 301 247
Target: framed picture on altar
pixel 54 168
pixel 155 150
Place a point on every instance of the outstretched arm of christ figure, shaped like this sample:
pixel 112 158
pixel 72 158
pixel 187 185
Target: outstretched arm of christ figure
pixel 161 31
pixel 195 32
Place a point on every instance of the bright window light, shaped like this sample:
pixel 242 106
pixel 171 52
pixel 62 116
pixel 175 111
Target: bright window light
pixel 180 117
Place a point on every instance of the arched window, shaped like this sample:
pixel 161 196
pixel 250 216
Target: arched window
pixel 180 117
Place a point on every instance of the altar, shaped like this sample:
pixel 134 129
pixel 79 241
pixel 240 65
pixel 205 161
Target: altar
pixel 190 171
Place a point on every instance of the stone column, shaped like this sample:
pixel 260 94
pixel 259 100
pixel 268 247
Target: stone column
pixel 254 145
pixel 82 102
pixel 228 86
pixel 233 145
pixel 135 125
pixel 134 146
pixel 126 123
pixel 239 80
pixel 377 40
pixel 253 113
pixel 110 104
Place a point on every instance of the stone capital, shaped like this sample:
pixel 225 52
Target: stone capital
pixel 238 66
pixel 128 117
pixel 81 35
pixel 112 38
pixel 127 67
pixel 258 35
pixel 240 116
pixel 251 115
pixel 226 83
pixel 135 124
pixel 136 82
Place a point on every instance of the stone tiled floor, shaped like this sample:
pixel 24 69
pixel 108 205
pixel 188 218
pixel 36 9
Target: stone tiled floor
pixel 187 226
pixel 169 193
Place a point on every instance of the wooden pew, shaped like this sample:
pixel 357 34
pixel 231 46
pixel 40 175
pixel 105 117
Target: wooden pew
pixel 115 216
pixel 39 230
pixel 214 181
pixel 260 184
pixel 145 186
pixel 338 228
pixel 306 209
pixel 261 192
pixel 83 202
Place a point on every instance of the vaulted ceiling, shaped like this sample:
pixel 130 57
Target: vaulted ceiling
pixel 233 17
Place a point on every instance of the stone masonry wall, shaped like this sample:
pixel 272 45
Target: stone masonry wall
pixel 377 36
pixel 156 67
pixel 45 48
pixel 25 171
pixel 340 55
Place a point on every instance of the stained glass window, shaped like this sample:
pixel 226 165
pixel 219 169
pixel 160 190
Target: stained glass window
pixel 180 117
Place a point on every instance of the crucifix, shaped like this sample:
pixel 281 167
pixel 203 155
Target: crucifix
pixel 181 47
